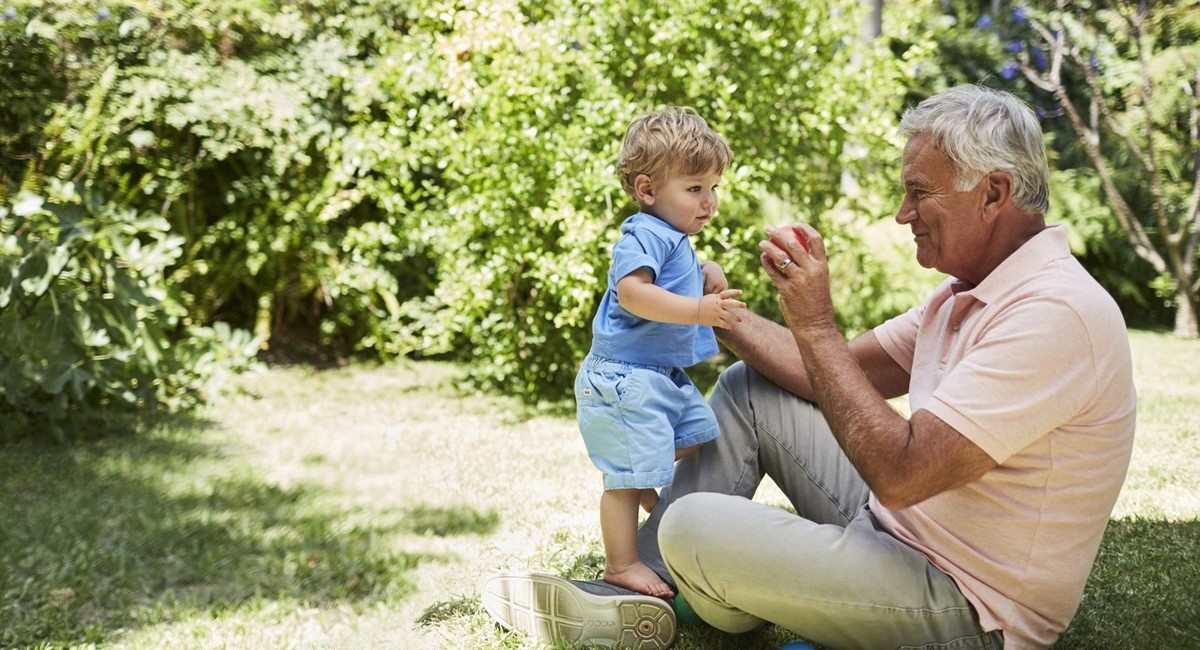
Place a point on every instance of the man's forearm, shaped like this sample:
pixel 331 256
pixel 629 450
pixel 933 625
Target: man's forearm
pixel 823 368
pixel 867 428
pixel 770 349
pixel 904 461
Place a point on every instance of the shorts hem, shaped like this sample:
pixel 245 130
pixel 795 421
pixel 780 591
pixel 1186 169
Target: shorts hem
pixel 638 480
pixel 698 438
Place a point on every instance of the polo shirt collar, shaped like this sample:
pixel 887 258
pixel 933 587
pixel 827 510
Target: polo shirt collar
pixel 1043 248
pixel 647 220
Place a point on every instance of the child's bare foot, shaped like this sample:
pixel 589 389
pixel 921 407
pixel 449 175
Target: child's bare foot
pixel 640 578
pixel 649 499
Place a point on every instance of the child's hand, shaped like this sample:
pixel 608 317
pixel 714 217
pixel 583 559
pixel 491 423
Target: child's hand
pixel 718 309
pixel 714 277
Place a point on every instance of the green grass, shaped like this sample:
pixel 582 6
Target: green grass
pixel 361 507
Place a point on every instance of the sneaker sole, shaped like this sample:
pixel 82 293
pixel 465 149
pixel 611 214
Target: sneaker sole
pixel 551 609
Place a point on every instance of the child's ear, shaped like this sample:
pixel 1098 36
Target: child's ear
pixel 643 188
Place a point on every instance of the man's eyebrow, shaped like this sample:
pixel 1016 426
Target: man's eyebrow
pixel 914 183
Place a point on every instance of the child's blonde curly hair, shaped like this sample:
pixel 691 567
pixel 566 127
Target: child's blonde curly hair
pixel 675 140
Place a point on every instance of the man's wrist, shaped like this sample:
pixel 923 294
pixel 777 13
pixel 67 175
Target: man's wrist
pixel 815 334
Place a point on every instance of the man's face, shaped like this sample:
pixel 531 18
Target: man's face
pixel 686 202
pixel 947 224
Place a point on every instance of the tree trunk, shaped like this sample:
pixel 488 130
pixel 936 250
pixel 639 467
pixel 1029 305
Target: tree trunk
pixel 873 24
pixel 872 27
pixel 1185 315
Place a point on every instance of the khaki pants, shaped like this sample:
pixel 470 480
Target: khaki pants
pixel 827 573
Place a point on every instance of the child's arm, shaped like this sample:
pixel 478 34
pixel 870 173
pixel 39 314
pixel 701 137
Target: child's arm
pixel 641 297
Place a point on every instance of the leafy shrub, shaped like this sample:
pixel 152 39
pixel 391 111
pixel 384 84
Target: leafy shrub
pixel 488 139
pixel 84 314
pixel 388 177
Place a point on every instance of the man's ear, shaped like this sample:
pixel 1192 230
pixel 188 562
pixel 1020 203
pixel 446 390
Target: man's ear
pixel 643 188
pixel 997 193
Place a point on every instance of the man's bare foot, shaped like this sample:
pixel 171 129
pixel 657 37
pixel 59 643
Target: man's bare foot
pixel 649 499
pixel 640 578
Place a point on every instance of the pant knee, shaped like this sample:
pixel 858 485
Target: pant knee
pixel 687 524
pixel 696 549
pixel 676 525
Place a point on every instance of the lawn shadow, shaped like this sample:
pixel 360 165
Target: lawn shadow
pixel 1142 590
pixel 133 530
pixel 444 521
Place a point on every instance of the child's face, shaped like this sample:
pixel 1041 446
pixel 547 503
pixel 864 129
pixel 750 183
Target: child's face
pixel 686 202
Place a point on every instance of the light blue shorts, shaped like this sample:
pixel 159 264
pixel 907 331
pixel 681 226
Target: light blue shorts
pixel 634 417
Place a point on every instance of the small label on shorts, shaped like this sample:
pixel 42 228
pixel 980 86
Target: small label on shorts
pixel 587 392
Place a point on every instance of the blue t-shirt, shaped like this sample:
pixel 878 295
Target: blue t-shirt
pixel 651 243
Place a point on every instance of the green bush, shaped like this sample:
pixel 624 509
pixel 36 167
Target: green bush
pixel 488 139
pixel 387 177
pixel 84 314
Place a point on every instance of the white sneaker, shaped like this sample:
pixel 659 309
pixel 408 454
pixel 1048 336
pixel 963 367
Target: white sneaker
pixel 551 609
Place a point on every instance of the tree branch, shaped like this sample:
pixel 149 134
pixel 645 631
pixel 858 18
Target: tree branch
pixel 1091 145
pixel 1089 75
pixel 1089 137
pixel 1192 221
pixel 1054 42
pixel 1156 189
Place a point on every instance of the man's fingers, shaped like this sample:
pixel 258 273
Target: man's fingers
pixel 812 239
pixel 769 265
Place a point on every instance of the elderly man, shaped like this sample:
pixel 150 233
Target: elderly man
pixel 972 523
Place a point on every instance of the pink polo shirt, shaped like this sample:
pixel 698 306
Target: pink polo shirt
pixel 1033 366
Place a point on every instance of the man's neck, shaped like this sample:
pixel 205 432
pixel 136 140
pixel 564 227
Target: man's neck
pixel 1010 235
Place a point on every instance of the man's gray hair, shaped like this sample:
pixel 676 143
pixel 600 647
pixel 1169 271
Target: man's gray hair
pixel 983 130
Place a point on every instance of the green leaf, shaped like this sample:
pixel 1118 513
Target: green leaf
pixel 6 284
pixel 55 386
pixel 34 275
pixel 28 203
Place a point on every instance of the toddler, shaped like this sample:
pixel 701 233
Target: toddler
pixel 638 410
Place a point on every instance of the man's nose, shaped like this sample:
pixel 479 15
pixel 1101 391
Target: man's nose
pixel 906 213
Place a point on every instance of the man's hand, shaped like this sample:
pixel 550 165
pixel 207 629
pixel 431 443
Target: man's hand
pixel 794 258
pixel 719 309
pixel 714 277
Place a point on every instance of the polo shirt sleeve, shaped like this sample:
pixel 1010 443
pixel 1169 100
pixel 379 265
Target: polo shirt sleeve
pixel 636 249
pixel 1032 370
pixel 898 336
